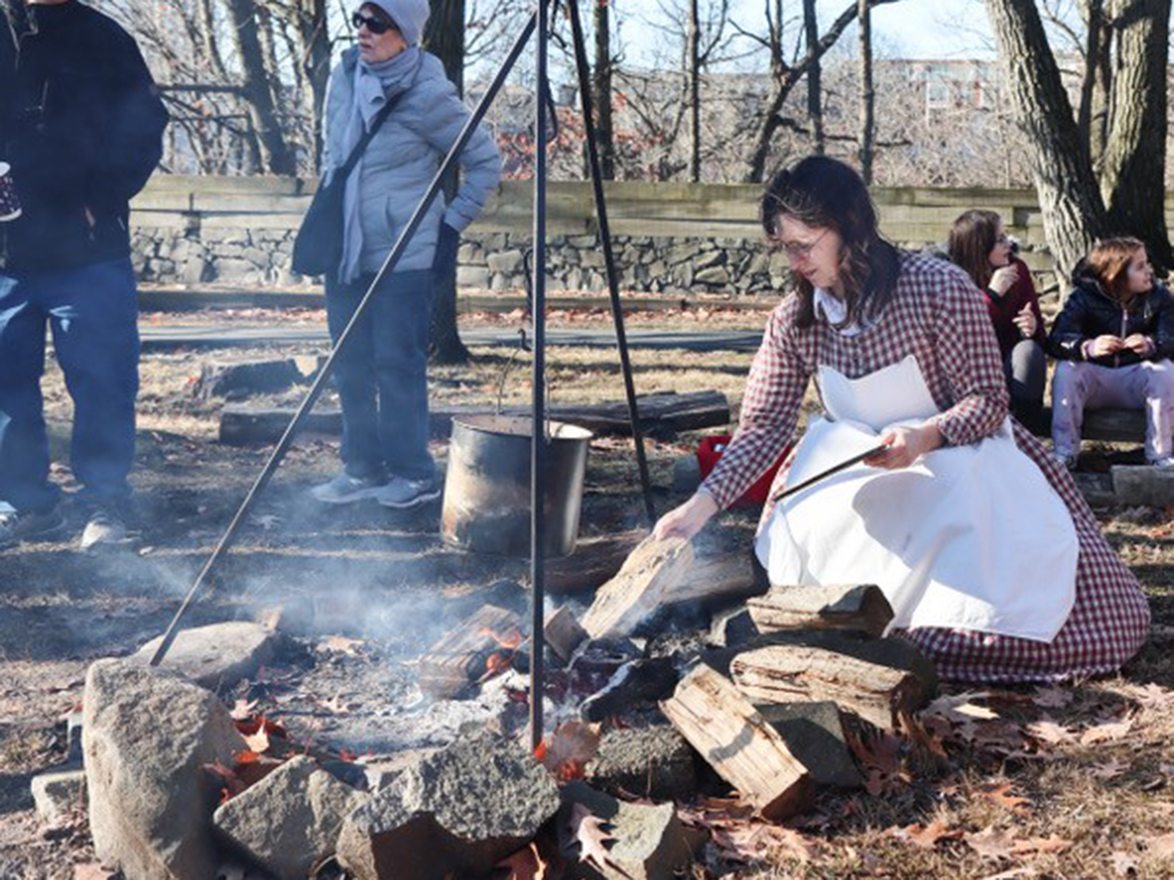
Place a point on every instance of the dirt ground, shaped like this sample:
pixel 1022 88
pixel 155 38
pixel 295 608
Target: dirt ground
pixel 1075 782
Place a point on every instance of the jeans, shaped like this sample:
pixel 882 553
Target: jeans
pixel 1026 368
pixel 93 314
pixel 1148 385
pixel 382 376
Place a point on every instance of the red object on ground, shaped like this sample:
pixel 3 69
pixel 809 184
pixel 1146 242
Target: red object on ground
pixel 710 449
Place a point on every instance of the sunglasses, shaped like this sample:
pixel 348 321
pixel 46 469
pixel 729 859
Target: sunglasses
pixel 376 26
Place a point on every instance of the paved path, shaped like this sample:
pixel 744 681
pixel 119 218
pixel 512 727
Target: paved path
pixel 163 337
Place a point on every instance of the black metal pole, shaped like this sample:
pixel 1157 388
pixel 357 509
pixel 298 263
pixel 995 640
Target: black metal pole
pixel 279 451
pixel 609 259
pixel 538 424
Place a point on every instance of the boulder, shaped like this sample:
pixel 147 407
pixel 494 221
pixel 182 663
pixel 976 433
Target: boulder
pixel 1136 485
pixel 654 762
pixel 57 794
pixel 647 842
pixel 215 656
pixel 458 811
pixel 814 733
pixel 289 821
pixel 147 737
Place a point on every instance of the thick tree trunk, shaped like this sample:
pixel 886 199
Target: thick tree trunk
pixel 1133 181
pixel 314 51
pixel 601 85
pixel 1094 112
pixel 814 79
pixel 445 38
pixel 1074 214
pixel 867 94
pixel 276 155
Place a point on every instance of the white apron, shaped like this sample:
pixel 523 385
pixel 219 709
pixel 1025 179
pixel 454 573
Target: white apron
pixel 971 537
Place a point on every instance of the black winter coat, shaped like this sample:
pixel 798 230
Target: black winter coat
pixel 81 124
pixel 1090 311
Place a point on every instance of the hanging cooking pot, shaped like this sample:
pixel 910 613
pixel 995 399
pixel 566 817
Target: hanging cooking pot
pixel 487 486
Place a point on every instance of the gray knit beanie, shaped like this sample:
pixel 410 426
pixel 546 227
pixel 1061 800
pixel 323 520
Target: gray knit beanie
pixel 409 15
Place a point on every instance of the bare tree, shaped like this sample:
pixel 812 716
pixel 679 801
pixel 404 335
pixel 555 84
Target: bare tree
pixel 814 78
pixel 601 77
pixel 867 93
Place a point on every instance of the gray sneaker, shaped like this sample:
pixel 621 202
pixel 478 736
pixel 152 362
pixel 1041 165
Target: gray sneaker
pixel 1165 462
pixel 105 527
pixel 345 489
pixel 16 527
pixel 400 493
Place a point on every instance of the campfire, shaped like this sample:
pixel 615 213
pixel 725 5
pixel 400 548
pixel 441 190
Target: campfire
pixel 662 737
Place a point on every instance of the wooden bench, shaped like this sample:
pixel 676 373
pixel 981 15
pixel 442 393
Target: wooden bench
pixel 1110 425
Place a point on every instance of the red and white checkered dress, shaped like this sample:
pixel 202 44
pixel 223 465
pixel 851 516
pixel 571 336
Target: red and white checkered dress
pixel 938 316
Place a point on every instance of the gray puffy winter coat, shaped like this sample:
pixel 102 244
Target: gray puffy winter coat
pixel 402 159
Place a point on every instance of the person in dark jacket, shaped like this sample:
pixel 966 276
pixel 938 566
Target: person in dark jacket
pixel 81 126
pixel 979 244
pixel 1114 339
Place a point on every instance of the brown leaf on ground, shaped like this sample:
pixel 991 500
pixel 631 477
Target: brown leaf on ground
pixel 1048 731
pixel 961 707
pixel 259 741
pixel 525 864
pixel 341 645
pixel 926 836
pixel 753 842
pixel 1012 873
pixel 1154 696
pixel 587 833
pixel 565 752
pixel 1161 847
pixel 881 758
pixel 1109 769
pixel 1123 864
pixel 243 709
pixel 1107 731
pixel 991 843
pixel 1052 697
pixel 1041 845
pixel 1001 796
pixel 91 871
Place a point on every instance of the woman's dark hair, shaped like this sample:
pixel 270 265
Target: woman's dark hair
pixel 972 238
pixel 826 193
pixel 1108 262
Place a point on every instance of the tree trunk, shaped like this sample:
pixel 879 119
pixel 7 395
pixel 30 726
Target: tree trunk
pixel 867 94
pixel 1074 214
pixel 1133 181
pixel 695 91
pixel 601 85
pixel 814 80
pixel 314 49
pixel 444 37
pixel 1093 113
pixel 276 155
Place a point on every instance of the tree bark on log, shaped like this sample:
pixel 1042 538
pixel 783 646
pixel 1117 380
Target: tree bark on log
pixel 458 658
pixel 862 608
pixel 649 574
pixel 739 744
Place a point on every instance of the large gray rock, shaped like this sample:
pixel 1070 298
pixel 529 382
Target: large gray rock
pixel 290 820
pixel 814 733
pixel 1143 485
pixel 147 736
pixel 57 794
pixel 654 762
pixel 647 842
pixel 218 655
pixel 458 811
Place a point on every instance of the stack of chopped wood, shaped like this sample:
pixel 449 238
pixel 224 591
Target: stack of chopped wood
pixel 766 711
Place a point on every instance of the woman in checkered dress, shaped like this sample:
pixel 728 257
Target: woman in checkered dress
pixel 992 560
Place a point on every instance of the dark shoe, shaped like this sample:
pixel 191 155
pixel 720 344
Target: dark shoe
pixel 17 527
pixel 400 493
pixel 345 489
pixel 105 527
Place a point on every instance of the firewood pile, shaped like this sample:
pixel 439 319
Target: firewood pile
pixel 759 695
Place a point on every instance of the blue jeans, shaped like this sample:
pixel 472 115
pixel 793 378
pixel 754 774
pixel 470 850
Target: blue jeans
pixel 93 313
pixel 382 376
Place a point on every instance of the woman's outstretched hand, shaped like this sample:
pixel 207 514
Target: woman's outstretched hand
pixel 688 519
pixel 905 446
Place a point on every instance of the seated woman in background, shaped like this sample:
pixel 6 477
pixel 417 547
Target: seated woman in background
pixel 979 245
pixel 992 561
pixel 1114 338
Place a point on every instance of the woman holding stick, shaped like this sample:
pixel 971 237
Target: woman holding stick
pixel 991 559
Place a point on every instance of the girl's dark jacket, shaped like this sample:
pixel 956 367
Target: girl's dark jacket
pixel 1091 311
pixel 81 124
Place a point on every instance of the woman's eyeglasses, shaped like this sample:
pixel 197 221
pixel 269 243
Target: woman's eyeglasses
pixel 375 25
pixel 797 251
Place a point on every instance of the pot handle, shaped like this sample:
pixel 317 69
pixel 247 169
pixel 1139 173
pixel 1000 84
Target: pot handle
pixel 523 345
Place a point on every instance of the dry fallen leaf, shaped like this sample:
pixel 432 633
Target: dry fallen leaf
pixel 1052 697
pixel 1038 845
pixel 258 742
pixel 1050 732
pixel 341 645
pixel 961 707
pixel 1109 769
pixel 1107 731
pixel 927 836
pixel 1124 864
pixel 91 871
pixel 525 864
pixel 991 843
pixel 242 710
pixel 1001 795
pixel 588 834
pixel 1012 873
pixel 1160 847
pixel 565 752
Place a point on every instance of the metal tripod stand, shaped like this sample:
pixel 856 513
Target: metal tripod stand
pixel 539 23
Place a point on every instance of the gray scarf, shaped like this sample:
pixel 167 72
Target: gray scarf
pixel 374 84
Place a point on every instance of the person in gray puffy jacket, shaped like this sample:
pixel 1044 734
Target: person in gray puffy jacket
pixel 382 373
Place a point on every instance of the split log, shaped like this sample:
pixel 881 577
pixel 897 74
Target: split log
pixel 739 744
pixel 717 580
pixel 563 633
pixel 661 413
pixel 651 572
pixel 594 562
pixel 863 607
pixel 234 379
pixel 458 659
pixel 796 673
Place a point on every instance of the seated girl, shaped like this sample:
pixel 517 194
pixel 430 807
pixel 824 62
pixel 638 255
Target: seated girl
pixel 980 246
pixel 991 559
pixel 1114 338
